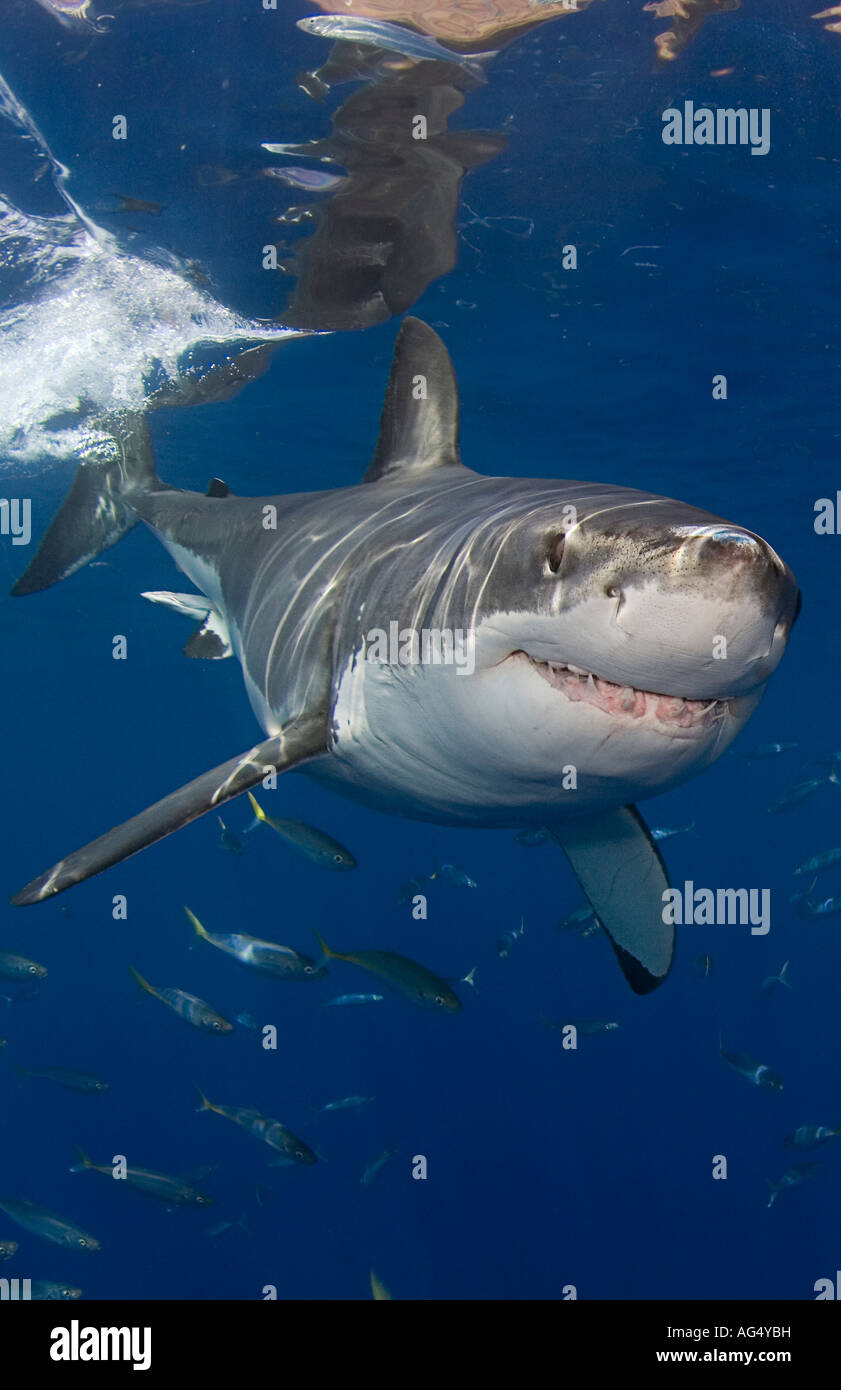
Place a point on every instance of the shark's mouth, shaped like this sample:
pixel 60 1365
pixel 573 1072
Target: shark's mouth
pixel 627 701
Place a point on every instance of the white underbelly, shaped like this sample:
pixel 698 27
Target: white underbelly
pixel 496 748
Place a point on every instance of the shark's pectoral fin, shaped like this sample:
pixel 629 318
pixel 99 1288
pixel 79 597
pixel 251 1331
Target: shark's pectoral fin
pixel 191 605
pixel 298 742
pixel 624 878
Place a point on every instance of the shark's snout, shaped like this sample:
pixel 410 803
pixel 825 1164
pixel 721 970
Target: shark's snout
pixel 699 610
pixel 752 595
pixel 726 556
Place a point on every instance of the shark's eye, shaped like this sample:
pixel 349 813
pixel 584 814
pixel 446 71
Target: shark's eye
pixel 555 552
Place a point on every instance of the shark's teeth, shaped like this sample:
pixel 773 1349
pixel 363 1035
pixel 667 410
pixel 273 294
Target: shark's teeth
pixel 626 700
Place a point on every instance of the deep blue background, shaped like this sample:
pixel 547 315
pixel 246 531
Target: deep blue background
pixel 546 1167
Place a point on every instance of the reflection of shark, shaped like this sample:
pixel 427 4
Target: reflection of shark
pixel 584 601
pixel 389 230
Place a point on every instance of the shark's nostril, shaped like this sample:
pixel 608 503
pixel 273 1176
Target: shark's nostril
pixel 615 592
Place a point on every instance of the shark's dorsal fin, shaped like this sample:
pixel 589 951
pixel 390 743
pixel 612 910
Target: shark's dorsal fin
pixel 419 421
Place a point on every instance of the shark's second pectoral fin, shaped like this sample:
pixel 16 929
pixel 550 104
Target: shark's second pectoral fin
pixel 624 878
pixel 299 741
pixel 211 639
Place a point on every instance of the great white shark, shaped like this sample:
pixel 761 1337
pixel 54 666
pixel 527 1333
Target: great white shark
pixel 620 641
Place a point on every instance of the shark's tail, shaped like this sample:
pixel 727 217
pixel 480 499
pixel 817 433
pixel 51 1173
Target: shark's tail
pixel 117 463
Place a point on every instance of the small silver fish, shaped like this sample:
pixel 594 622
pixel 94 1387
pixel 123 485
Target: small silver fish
pixel 46 1289
pixel 375 1167
pixel 589 1027
pixel 7 1249
pixel 771 981
pixel 799 1173
pixel 751 1070
pixel 175 1192
pixel 580 917
pixel 187 1006
pixel 222 1226
pixel 280 962
pixel 665 834
pixel 314 844
pixel 407 977
pixel 795 795
pixel 19 968
pixel 356 999
pixel 53 1228
pixel 811 1136
pixel 263 1127
pixel 770 750
pixel 66 1076
pixel 349 1103
pixel 506 941
pixel 394 38
pixel 824 909
pixel 826 860
pixel 455 875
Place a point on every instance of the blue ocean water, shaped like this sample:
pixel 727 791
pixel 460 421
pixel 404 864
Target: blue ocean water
pixel 547 1168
